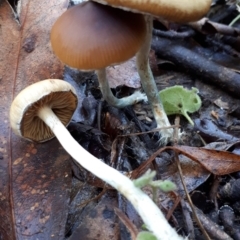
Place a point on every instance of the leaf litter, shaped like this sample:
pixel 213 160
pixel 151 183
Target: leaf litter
pixel 26 57
pixel 35 179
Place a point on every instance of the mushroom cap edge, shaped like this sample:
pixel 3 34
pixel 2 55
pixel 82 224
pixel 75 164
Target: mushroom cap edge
pixel 32 94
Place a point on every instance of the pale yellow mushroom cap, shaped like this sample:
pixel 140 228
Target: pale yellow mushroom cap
pixel 57 94
pixel 171 10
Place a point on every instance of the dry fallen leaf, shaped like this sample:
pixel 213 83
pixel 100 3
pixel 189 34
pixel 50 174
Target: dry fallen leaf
pixel 221 104
pixel 194 174
pixel 99 220
pixel 215 161
pixel 124 74
pixel 34 178
pixel 204 160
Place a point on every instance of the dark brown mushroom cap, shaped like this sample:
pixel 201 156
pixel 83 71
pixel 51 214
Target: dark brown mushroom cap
pixel 171 10
pixel 56 94
pixel 92 36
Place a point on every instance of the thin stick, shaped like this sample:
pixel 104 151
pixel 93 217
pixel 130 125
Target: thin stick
pixel 151 131
pixel 184 185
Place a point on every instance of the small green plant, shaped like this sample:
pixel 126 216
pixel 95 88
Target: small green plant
pixel 165 186
pixel 147 180
pixel 144 235
pixel 179 100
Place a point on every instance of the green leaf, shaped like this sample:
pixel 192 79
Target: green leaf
pixel 145 236
pixel 179 100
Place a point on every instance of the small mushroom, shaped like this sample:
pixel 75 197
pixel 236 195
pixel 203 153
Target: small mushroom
pixel 91 36
pixel 174 10
pixel 42 110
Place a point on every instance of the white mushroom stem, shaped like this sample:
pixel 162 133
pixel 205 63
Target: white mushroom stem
pixel 149 212
pixel 110 98
pixel 149 85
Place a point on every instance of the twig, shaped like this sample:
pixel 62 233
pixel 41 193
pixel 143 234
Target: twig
pixel 209 27
pixel 198 65
pixel 177 120
pixel 171 34
pixel 104 190
pixel 154 130
pixel 211 227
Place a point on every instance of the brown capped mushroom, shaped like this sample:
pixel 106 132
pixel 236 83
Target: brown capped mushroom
pixel 91 36
pixel 174 10
pixel 41 111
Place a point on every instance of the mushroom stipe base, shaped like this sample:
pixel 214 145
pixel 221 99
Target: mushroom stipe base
pixel 110 98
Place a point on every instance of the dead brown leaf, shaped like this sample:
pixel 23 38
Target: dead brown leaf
pixel 124 74
pixel 195 161
pixel 194 174
pixel 221 104
pixel 99 220
pixel 215 161
pixel 34 178
pixel 132 229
